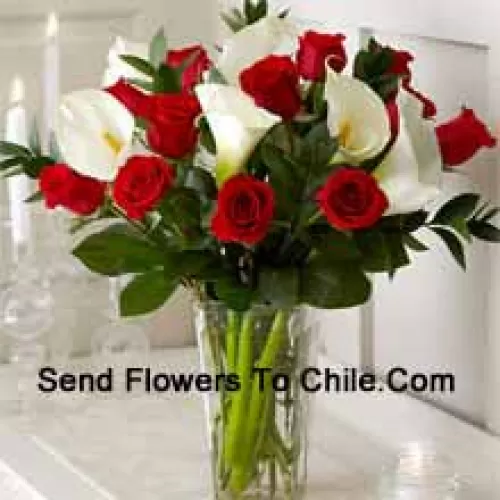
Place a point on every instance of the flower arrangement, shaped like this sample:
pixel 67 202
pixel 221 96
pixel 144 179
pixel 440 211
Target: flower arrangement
pixel 265 175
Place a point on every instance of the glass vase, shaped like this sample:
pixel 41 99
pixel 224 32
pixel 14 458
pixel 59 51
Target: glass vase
pixel 258 412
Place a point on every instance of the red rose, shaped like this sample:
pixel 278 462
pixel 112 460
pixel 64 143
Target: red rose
pixel 400 64
pixel 401 67
pixel 133 99
pixel 62 187
pixel 172 131
pixel 245 208
pixel 141 183
pixel 273 83
pixel 461 138
pixel 315 49
pixel 351 199
pixel 192 73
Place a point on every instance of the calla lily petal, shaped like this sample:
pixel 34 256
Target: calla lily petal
pixel 357 116
pixel 237 124
pixel 117 68
pixel 411 174
pixel 94 133
pixel 251 44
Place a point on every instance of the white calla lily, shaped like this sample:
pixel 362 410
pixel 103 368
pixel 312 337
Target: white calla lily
pixel 94 133
pixel 357 116
pixel 120 69
pixel 411 174
pixel 237 124
pixel 253 43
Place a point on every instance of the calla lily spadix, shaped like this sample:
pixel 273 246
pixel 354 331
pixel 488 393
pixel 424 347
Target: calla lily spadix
pixel 357 116
pixel 411 174
pixel 253 43
pixel 94 133
pixel 237 124
pixel 117 68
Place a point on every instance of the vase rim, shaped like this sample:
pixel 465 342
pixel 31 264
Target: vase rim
pixel 254 307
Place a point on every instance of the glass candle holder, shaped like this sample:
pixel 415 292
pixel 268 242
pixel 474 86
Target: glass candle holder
pixel 419 473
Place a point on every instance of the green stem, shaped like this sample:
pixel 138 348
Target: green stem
pixel 235 427
pixel 242 473
pixel 233 325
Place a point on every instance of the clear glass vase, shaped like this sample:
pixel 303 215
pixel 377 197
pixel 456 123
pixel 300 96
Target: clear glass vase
pixel 258 413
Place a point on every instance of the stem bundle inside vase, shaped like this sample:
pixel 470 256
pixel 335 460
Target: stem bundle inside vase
pixel 258 437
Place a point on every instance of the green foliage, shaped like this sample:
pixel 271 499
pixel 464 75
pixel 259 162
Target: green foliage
pixel 328 286
pixel 459 208
pixel 17 160
pixel 372 64
pixel 158 49
pixel 382 251
pixel 166 80
pixel 146 293
pixel 141 65
pixel 117 250
pixel 279 287
pixel 252 12
pixel 453 244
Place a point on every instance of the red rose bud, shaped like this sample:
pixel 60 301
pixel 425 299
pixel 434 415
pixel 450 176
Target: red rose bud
pixel 401 67
pixel 429 108
pixel 245 209
pixel 172 131
pixel 315 50
pixel 141 183
pixel 273 83
pixel 62 187
pixel 200 62
pixel 393 113
pixel 461 138
pixel 133 99
pixel 351 199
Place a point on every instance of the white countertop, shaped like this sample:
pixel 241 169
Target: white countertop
pixel 150 447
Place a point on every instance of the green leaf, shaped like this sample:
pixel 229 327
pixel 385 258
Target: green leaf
pixel 234 20
pixel 206 137
pixel 336 246
pixel 490 214
pixel 139 64
pixel 333 287
pixel 158 48
pixel 118 250
pixel 142 84
pixel 167 80
pixel 10 162
pixel 35 197
pixel 181 211
pixel 454 245
pixel 319 147
pixel 254 12
pixel 34 139
pixel 33 167
pixel 414 244
pixel 13 172
pixel 146 293
pixel 279 287
pixel 13 149
pixel 484 231
pixel 235 295
pixel 382 251
pixel 460 207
